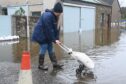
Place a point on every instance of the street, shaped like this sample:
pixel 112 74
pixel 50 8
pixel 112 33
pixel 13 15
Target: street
pixel 109 68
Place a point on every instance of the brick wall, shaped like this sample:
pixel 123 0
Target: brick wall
pixel 20 25
pixel 103 31
pixel 105 34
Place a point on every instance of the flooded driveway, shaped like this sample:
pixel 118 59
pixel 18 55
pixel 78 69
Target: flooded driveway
pixel 109 64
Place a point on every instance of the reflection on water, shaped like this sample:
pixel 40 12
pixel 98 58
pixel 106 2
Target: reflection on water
pixel 87 39
pixel 6 52
pixel 12 51
pixel 106 37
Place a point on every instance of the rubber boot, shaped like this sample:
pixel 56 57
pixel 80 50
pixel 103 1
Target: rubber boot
pixel 54 61
pixel 41 63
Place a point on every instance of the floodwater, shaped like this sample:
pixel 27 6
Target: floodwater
pixel 109 61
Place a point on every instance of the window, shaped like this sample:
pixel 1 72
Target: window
pixel 102 19
pixel 4 11
pixel 109 20
pixel 36 13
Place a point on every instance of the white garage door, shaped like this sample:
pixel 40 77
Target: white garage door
pixel 76 19
pixel 88 27
pixel 71 19
pixel 71 25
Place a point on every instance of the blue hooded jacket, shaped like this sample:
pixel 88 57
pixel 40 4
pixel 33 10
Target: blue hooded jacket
pixel 46 30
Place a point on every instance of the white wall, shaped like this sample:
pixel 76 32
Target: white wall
pixel 49 3
pixel 5 25
pixel 11 10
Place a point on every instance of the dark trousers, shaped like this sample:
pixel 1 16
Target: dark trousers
pixel 45 47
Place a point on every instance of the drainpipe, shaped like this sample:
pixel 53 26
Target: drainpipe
pixel 28 32
pixel 28 35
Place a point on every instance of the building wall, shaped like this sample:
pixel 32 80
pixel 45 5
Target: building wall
pixel 36 8
pixel 103 29
pixel 5 3
pixel 47 4
pixel 20 25
pixel 35 5
pixel 15 3
pixel 116 13
pixel 18 2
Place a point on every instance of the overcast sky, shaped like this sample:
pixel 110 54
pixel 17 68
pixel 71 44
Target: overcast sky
pixel 122 3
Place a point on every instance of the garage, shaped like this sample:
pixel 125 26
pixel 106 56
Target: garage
pixel 79 25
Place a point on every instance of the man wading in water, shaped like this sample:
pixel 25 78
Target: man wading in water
pixel 46 33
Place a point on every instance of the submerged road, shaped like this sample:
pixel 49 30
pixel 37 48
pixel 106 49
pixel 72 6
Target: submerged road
pixel 109 68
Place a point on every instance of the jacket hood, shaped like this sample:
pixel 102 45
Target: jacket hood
pixel 48 10
pixel 51 11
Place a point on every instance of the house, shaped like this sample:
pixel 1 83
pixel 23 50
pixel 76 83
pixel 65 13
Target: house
pixel 35 7
pixel 14 5
pixel 116 10
pixel 91 21
pixel 87 21
pixel 31 8
pixel 116 17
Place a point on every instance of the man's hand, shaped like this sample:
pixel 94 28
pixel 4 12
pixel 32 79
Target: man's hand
pixel 58 42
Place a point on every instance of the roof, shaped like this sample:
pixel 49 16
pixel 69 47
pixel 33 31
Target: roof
pixel 93 1
pixel 110 2
pixel 97 2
